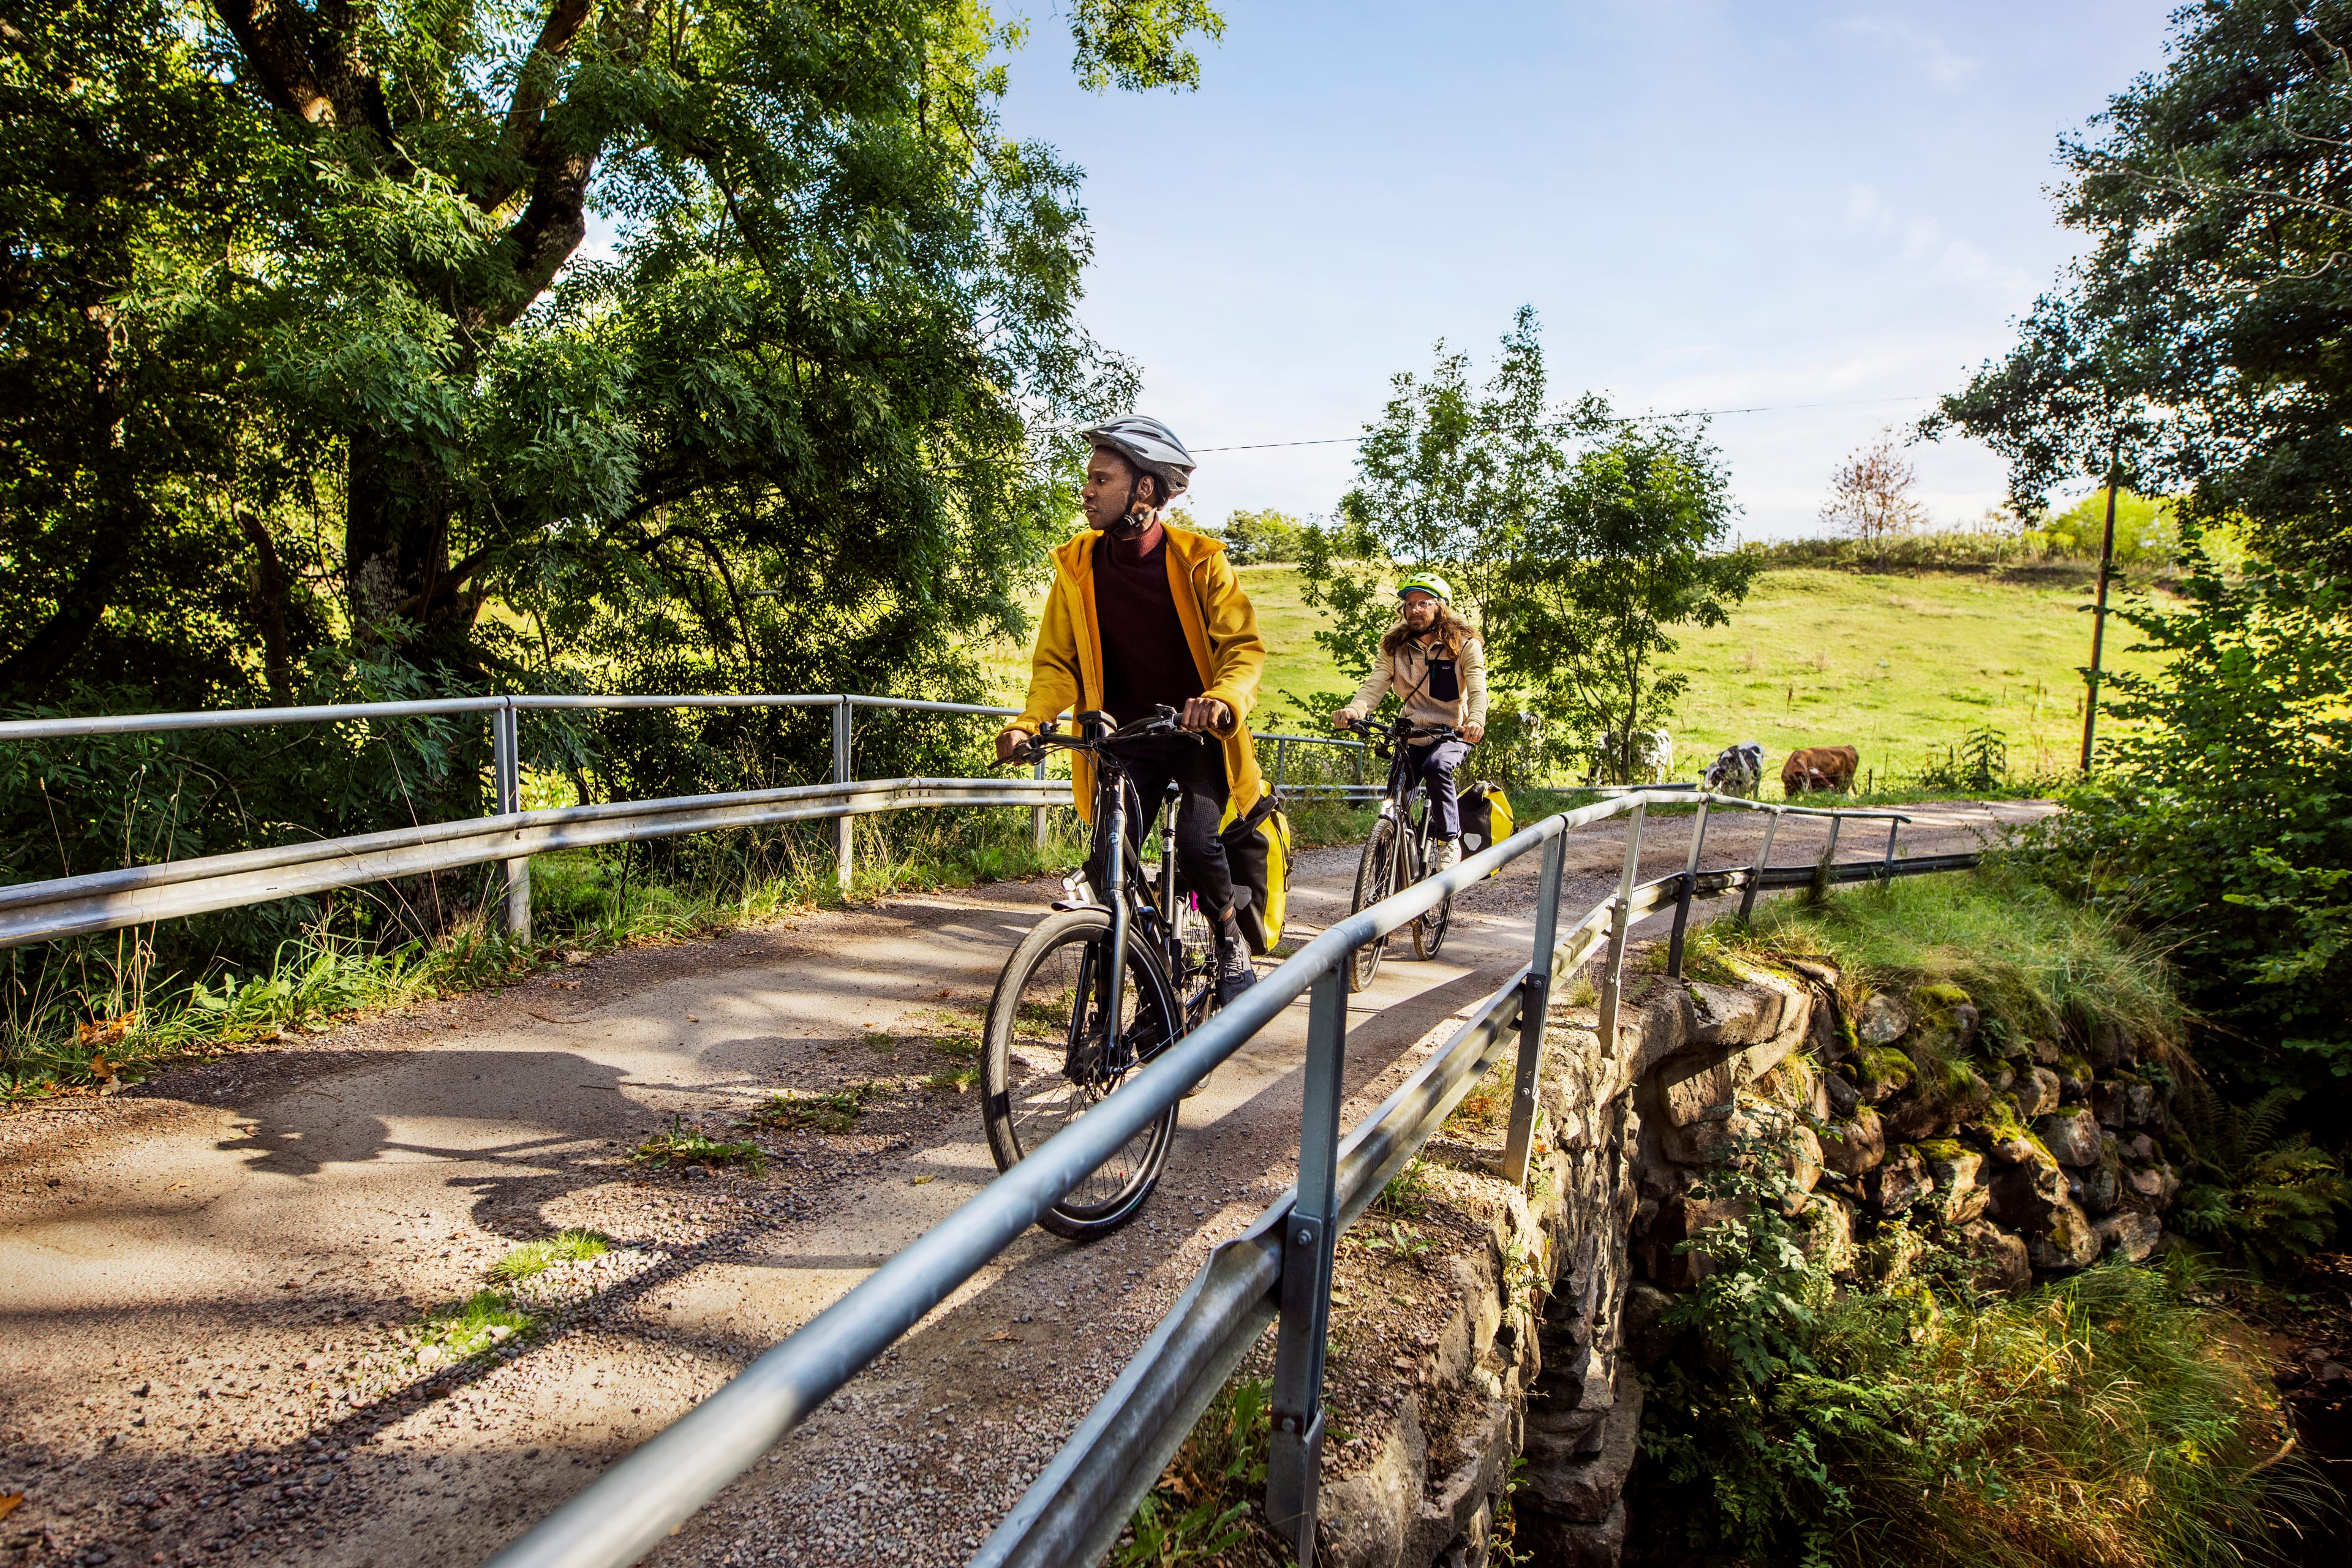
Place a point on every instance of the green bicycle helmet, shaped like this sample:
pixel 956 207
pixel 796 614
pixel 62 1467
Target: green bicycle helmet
pixel 1427 583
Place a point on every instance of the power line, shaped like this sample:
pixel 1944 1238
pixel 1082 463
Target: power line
pixel 1628 419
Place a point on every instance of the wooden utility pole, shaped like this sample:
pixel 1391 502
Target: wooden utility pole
pixel 2099 615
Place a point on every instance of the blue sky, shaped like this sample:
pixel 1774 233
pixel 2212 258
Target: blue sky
pixel 1709 205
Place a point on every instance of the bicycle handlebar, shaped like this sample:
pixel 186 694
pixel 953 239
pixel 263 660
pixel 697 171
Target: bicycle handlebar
pixel 1163 721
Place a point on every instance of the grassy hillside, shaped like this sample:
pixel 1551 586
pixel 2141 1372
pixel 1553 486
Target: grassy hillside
pixel 1895 666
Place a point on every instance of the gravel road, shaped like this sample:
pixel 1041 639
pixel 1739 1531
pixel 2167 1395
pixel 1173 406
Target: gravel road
pixel 212 1285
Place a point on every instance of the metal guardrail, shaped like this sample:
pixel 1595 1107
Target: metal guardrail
pixel 110 900
pixel 1281 1267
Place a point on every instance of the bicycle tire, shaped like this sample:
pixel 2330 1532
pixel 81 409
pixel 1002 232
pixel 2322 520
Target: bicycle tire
pixel 1375 880
pixel 1028 1092
pixel 1428 930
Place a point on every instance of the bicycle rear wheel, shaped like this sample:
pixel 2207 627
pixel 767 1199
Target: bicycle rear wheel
pixel 1375 880
pixel 1050 1056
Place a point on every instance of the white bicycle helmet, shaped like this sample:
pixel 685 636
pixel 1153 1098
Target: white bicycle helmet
pixel 1151 445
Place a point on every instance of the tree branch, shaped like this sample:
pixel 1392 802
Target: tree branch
pixel 278 54
pixel 518 137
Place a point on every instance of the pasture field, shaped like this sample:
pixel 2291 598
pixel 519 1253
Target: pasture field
pixel 1897 666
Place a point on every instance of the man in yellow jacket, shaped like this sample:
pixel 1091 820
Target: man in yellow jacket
pixel 1141 613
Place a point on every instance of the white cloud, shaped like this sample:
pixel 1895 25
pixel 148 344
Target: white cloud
pixel 1944 66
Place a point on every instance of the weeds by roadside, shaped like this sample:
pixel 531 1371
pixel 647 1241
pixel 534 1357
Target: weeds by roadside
pixel 679 1147
pixel 534 1258
pixel 1204 1507
pixel 834 1112
pixel 476 1326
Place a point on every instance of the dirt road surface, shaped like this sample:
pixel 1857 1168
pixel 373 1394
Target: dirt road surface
pixel 215 1288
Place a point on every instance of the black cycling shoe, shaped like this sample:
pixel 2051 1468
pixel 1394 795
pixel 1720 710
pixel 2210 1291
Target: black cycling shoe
pixel 1234 974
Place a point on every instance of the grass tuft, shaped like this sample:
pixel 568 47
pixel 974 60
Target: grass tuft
pixel 474 1327
pixel 533 1257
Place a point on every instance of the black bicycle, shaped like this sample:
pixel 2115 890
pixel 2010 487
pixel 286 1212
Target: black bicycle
pixel 1095 992
pixel 1396 851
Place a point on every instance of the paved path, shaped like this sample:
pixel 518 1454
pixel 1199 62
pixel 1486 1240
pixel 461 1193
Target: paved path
pixel 205 1283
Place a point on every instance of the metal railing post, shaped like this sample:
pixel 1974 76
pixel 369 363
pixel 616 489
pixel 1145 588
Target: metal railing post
pixel 1621 920
pixel 1037 813
pixel 1281 763
pixel 1683 895
pixel 1294 1475
pixel 1756 872
pixel 1829 851
pixel 1527 1084
pixel 506 764
pixel 1887 870
pixel 843 864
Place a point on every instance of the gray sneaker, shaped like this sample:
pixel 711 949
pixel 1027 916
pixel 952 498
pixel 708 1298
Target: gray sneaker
pixel 1234 974
pixel 1445 854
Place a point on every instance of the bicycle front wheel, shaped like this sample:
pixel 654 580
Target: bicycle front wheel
pixel 1058 1045
pixel 1375 880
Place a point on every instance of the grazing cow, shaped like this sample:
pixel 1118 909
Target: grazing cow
pixel 1811 768
pixel 1736 770
pixel 1653 756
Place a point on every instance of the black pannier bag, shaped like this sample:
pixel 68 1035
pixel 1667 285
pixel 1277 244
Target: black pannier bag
pixel 1257 848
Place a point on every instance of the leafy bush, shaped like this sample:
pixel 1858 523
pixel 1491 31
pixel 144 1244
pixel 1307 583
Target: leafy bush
pixel 2222 824
pixel 1200 1510
pixel 1897 1417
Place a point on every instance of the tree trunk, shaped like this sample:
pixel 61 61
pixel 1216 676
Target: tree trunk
pixel 402 592
pixel 268 608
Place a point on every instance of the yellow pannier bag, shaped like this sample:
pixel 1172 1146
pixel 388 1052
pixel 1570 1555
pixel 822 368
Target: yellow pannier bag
pixel 1257 848
pixel 1487 818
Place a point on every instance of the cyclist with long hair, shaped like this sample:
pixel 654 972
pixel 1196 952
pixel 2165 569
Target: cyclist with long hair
pixel 1434 661
pixel 1143 614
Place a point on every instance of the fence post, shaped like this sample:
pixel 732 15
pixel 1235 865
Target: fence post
pixel 1829 852
pixel 1294 1474
pixel 1535 1004
pixel 1887 870
pixel 506 764
pixel 1612 978
pixel 1037 813
pixel 1281 761
pixel 1756 872
pixel 843 864
pixel 1682 896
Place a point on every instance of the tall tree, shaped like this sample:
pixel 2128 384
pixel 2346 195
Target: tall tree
pixel 835 291
pixel 1625 547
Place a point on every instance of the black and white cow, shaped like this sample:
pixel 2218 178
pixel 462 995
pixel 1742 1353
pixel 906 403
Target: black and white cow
pixel 1736 770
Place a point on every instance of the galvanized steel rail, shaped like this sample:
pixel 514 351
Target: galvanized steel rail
pixel 110 900
pixel 1280 1268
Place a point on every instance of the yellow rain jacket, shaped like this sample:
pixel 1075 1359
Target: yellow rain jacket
pixel 1066 673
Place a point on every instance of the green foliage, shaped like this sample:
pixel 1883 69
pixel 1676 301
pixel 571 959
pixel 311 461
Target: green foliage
pixel 1899 1416
pixel 2224 821
pixel 536 1257
pixel 1406 1194
pixel 1978 764
pixel 476 1326
pixel 1625 548
pixel 1201 1509
pixel 2260 1197
pixel 1255 538
pixel 2146 532
pixel 678 1147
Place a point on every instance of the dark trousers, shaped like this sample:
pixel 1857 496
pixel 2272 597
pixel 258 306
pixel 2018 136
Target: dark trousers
pixel 1198 768
pixel 1434 765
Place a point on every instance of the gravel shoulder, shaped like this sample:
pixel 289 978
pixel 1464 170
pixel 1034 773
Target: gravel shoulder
pixel 212 1285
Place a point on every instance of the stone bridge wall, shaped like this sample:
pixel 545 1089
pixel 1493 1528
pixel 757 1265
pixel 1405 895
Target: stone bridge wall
pixel 2028 1157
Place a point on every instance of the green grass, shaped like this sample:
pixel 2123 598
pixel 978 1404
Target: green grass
pixel 2031 961
pixel 1897 666
pixel 474 1327
pixel 533 1257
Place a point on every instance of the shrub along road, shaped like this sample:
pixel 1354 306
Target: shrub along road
pixel 244 1303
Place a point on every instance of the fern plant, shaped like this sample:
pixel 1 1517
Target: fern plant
pixel 2262 1200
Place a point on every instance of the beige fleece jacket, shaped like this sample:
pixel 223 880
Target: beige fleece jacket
pixel 1408 675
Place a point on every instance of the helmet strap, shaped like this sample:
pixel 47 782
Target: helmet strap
pixel 1131 525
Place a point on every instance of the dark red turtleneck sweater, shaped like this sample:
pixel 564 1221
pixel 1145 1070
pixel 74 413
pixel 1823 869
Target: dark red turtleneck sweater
pixel 1146 660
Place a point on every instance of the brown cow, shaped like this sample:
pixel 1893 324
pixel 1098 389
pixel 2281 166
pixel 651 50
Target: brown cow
pixel 1819 767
